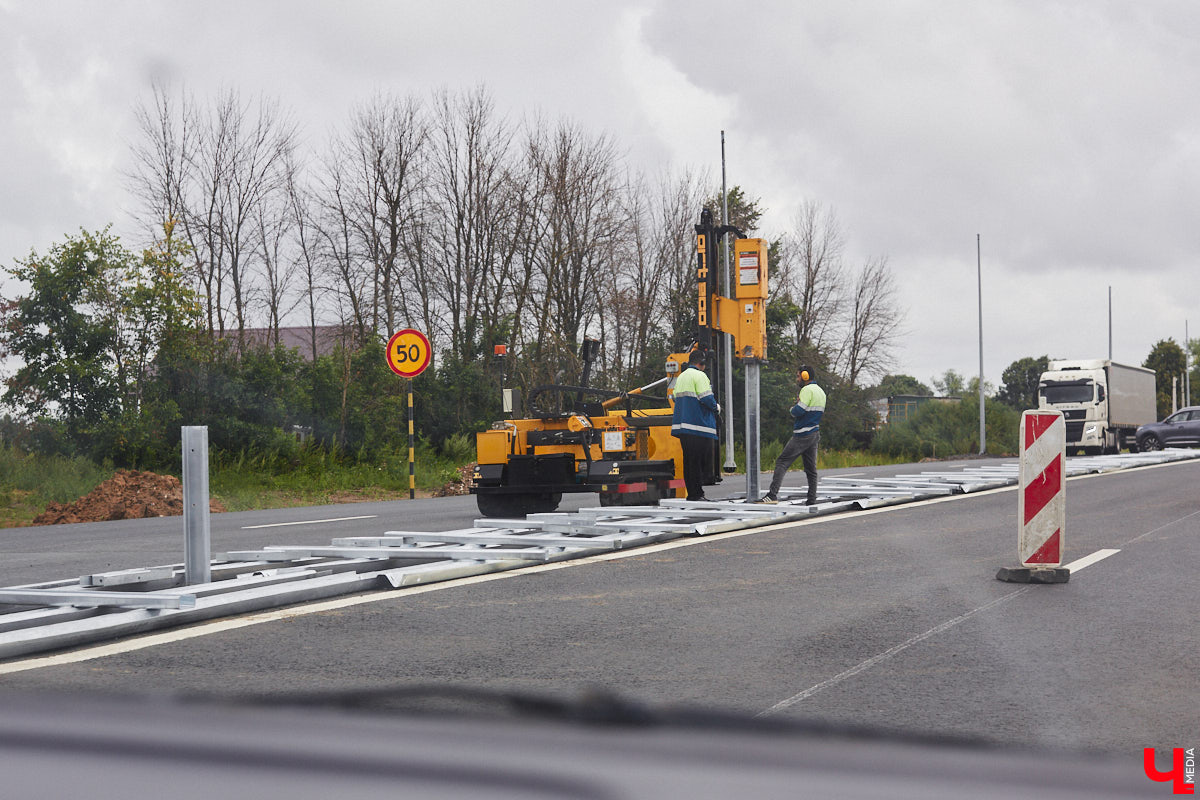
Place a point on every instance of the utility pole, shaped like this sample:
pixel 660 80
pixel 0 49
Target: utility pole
pixel 979 277
pixel 1110 323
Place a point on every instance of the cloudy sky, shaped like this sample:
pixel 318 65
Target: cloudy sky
pixel 1065 134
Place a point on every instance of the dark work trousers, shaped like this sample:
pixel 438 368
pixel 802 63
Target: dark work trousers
pixel 798 447
pixel 696 452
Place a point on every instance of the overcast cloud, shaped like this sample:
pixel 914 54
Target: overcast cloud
pixel 1065 134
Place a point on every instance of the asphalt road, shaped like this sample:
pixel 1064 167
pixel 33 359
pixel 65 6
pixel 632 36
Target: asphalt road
pixel 890 619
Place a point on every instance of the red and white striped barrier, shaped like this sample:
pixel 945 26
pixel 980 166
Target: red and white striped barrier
pixel 1041 500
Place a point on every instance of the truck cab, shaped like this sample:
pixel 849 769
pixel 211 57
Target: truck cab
pixel 1082 397
pixel 1102 402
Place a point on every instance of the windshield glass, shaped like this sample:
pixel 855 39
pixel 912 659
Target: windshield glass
pixel 1067 393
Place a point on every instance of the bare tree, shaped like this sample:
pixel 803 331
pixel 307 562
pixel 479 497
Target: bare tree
pixel 651 289
pixel 812 276
pixel 339 250
pixel 213 171
pixel 274 239
pixel 305 254
pixel 873 324
pixel 254 151
pixel 578 173
pixel 161 159
pixel 473 218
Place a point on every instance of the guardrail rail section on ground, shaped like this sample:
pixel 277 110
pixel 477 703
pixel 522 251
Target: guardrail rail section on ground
pixel 48 616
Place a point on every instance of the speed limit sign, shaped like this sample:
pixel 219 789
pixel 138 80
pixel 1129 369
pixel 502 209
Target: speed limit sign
pixel 408 353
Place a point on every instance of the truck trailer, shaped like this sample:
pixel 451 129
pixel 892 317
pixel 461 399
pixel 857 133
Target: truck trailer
pixel 1102 402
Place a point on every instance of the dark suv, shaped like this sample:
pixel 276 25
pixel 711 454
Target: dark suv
pixel 1181 429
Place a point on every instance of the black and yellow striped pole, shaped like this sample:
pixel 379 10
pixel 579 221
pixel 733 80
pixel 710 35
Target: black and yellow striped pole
pixel 408 354
pixel 412 450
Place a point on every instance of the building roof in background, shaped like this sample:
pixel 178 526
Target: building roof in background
pixel 299 338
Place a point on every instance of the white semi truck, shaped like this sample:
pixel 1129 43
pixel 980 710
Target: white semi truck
pixel 1103 402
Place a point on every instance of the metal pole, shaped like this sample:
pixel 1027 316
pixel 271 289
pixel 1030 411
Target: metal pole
pixel 412 450
pixel 1110 323
pixel 979 276
pixel 727 340
pixel 197 556
pixel 1187 364
pixel 752 450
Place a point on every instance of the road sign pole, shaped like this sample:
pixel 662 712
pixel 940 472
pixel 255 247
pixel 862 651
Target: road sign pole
pixel 412 451
pixel 408 355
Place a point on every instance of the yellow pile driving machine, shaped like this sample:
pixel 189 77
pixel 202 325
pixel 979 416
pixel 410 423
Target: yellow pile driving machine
pixel 585 439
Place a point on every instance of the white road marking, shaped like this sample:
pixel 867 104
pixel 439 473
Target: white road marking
pixel 783 705
pixel 1162 527
pixel 307 522
pixel 205 629
pixel 1087 561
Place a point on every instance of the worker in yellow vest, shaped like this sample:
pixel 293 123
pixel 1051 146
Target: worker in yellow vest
pixel 806 434
pixel 694 422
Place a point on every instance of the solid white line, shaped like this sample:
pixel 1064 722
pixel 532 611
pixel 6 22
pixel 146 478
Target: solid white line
pixel 307 522
pixel 1087 561
pixel 885 655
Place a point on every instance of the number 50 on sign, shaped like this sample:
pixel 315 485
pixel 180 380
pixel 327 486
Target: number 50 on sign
pixel 408 353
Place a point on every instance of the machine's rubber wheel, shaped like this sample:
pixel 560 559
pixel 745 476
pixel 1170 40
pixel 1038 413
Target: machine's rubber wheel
pixel 517 505
pixel 547 502
pixel 1150 443
pixel 494 505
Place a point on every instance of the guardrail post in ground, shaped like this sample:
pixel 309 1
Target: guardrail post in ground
pixel 196 531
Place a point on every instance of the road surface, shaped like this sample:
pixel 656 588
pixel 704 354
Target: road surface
pixel 890 619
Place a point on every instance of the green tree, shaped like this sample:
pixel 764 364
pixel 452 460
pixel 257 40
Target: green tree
pixel 744 213
pixel 1019 382
pixel 950 384
pixel 989 389
pixel 940 429
pixel 891 385
pixel 66 332
pixel 1167 360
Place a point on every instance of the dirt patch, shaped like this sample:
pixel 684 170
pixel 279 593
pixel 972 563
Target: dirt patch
pixel 460 485
pixel 127 495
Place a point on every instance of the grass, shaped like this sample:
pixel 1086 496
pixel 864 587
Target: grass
pixel 826 459
pixel 28 483
pixel 243 483
pixel 240 482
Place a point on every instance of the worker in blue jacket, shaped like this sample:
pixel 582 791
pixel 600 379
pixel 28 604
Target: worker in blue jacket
pixel 806 434
pixel 694 422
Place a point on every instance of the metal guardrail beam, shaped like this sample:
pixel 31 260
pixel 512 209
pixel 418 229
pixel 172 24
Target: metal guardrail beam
pixel 90 599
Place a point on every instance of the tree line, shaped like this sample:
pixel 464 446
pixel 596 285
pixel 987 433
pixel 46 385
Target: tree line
pixel 436 212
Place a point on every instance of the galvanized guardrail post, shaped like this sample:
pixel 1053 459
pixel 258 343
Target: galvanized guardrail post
pixel 753 448
pixel 196 531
